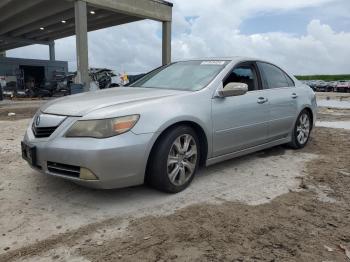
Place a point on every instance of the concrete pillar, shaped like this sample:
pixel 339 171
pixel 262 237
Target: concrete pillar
pixel 52 51
pixel 166 43
pixel 82 44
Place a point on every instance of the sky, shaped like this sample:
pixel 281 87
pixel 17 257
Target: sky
pixel 303 36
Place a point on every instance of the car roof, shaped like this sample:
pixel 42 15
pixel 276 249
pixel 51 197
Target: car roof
pixel 235 59
pixel 227 58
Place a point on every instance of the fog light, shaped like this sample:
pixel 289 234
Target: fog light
pixel 86 174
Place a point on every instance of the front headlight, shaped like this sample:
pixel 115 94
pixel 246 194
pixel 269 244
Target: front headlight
pixel 102 128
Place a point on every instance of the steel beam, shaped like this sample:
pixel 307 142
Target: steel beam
pixel 142 8
pixel 82 44
pixel 22 40
pixel 46 9
pixel 70 24
pixel 4 3
pixel 65 15
pixel 104 23
pixel 9 46
pixel 166 43
pixel 17 7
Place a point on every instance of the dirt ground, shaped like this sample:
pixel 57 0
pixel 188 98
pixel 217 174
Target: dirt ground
pixel 21 108
pixel 274 205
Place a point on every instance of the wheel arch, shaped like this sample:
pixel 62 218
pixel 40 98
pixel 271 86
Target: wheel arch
pixel 202 137
pixel 309 109
pixel 311 114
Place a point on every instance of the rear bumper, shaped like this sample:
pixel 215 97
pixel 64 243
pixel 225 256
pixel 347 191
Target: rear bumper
pixel 117 162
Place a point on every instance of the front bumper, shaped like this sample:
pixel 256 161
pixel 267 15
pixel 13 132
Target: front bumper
pixel 117 162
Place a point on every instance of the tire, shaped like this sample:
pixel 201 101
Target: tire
pixel 173 165
pixel 302 130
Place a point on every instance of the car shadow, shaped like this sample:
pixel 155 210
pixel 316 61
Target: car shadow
pixel 231 163
pixel 55 185
pixel 57 197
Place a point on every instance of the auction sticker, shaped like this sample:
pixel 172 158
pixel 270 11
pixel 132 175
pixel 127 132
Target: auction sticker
pixel 213 63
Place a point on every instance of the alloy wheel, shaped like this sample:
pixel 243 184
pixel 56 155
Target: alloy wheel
pixel 303 128
pixel 182 159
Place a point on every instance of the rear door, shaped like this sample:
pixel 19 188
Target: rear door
pixel 282 95
pixel 240 122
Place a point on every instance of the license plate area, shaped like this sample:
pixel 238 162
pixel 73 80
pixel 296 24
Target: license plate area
pixel 29 153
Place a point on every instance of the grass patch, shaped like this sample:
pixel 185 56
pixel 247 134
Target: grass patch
pixel 324 77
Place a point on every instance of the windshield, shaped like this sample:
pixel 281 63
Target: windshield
pixel 188 75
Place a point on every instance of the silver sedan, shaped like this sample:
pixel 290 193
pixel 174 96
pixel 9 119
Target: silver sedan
pixel 163 127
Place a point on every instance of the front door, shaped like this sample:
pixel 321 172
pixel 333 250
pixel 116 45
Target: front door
pixel 240 122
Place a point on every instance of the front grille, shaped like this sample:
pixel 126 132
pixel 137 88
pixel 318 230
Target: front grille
pixel 63 169
pixel 43 131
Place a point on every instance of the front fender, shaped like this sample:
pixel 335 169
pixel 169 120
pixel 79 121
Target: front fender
pixel 184 119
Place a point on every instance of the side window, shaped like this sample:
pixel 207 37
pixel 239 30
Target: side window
pixel 274 77
pixel 243 74
pixel 290 81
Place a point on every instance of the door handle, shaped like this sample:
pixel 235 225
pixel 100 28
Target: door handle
pixel 262 100
pixel 294 95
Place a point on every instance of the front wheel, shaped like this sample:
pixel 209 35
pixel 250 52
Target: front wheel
pixel 174 160
pixel 301 131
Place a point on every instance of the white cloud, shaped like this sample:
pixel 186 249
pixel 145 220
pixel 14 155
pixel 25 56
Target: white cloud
pixel 213 31
pixel 321 50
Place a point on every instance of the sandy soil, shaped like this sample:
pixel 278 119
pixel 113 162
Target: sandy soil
pixel 38 206
pixel 328 110
pixel 22 108
pixel 333 96
pixel 275 205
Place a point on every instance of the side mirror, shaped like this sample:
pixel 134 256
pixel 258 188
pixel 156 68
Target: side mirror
pixel 233 89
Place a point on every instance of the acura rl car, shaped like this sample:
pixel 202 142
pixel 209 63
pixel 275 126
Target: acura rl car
pixel 174 119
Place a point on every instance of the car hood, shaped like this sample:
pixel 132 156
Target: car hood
pixel 81 104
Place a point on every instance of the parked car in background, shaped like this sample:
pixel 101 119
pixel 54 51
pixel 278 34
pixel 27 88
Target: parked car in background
pixel 343 86
pixel 332 86
pixel 168 123
pixel 322 86
pixel 312 84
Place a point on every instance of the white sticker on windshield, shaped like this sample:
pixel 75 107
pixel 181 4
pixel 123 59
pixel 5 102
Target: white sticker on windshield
pixel 213 63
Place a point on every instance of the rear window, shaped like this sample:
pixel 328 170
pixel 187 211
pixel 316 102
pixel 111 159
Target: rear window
pixel 274 77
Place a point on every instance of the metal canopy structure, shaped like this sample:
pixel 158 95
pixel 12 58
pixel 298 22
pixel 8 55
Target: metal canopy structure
pixel 30 22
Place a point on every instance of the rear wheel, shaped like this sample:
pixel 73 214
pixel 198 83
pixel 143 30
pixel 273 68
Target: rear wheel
pixel 174 160
pixel 302 130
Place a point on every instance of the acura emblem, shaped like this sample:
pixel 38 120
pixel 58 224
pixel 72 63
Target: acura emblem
pixel 37 120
